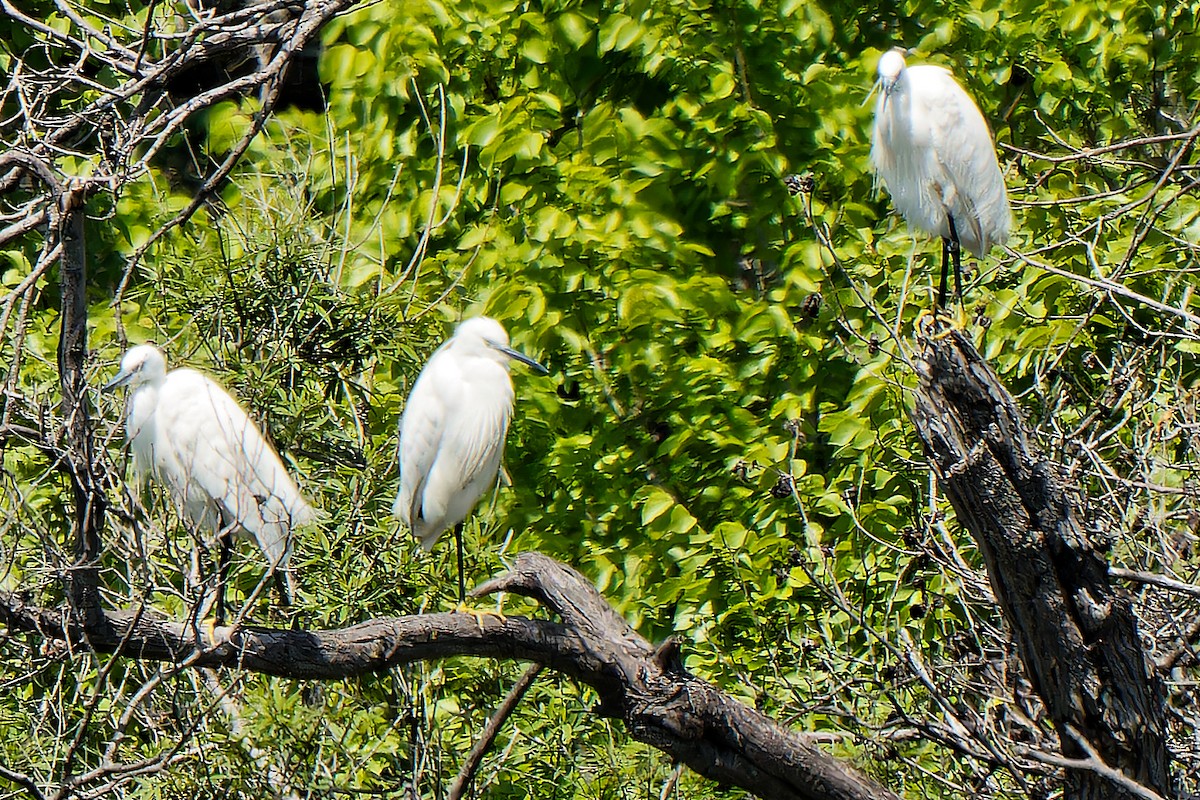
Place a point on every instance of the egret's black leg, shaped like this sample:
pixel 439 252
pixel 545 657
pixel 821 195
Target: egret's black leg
pixel 943 284
pixel 284 585
pixel 956 254
pixel 226 554
pixel 462 587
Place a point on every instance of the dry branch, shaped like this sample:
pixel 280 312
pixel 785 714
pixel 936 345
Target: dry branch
pixel 470 765
pixel 64 209
pixel 124 126
pixel 645 687
pixel 1077 635
pixel 89 499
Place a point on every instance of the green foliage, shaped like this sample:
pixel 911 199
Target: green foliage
pixel 723 444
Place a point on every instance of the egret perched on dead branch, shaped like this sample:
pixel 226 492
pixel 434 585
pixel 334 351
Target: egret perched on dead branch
pixel 192 437
pixel 452 431
pixel 934 152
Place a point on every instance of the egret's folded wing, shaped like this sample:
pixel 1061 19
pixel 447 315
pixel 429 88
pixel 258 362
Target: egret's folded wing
pixel 421 428
pixel 478 446
pixel 967 153
pixel 270 502
pixel 221 458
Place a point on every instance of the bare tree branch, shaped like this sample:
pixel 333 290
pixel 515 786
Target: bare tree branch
pixel 645 687
pixel 88 494
pixel 470 765
pixel 1155 579
pixel 64 209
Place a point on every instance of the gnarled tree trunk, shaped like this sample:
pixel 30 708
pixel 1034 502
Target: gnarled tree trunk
pixel 1077 635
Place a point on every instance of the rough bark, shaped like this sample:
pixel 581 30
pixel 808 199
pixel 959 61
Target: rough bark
pixel 87 491
pixel 1076 633
pixel 65 243
pixel 645 687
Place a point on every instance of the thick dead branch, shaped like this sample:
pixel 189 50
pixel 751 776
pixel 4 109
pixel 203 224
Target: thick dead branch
pixel 1077 634
pixel 645 687
pixel 64 209
pixel 89 499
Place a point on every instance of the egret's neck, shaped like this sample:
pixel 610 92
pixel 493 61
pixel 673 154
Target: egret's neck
pixel 143 395
pixel 153 380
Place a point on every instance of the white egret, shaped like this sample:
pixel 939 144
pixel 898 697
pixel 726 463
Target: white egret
pixel 934 152
pixel 452 431
pixel 191 436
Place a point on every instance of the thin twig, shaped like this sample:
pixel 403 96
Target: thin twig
pixel 1155 579
pixel 1105 285
pixel 470 765
pixel 1093 763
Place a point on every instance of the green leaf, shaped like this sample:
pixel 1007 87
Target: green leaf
pixel 656 503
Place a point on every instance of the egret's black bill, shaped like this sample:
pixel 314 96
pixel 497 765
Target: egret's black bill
pixel 524 359
pixel 117 382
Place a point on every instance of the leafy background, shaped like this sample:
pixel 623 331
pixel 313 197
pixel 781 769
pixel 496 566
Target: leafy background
pixel 723 443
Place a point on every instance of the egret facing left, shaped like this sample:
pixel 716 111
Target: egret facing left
pixel 191 436
pixel 933 150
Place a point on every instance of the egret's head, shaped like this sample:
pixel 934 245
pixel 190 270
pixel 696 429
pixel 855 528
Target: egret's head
pixel 140 364
pixel 489 336
pixel 891 67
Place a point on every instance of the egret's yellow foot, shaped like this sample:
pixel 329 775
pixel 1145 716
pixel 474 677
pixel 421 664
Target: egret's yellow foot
pixel 937 324
pixel 216 637
pixel 479 614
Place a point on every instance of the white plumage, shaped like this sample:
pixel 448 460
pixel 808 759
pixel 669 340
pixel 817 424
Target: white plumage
pixel 934 152
pixel 192 437
pixel 453 428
